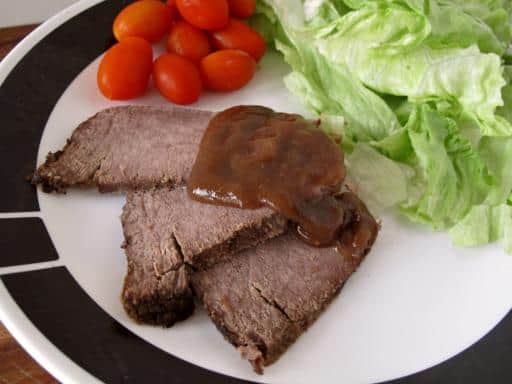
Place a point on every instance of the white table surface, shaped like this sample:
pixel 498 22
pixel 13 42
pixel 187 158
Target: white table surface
pixel 19 12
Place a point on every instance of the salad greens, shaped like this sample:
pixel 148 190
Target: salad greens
pixel 421 93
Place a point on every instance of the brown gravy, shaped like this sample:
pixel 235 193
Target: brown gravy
pixel 251 156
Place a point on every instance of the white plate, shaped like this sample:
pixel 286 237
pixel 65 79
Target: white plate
pixel 415 302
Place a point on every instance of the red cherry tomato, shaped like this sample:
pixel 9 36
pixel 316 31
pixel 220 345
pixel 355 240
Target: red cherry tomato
pixel 125 69
pixel 238 35
pixel 177 78
pixel 188 41
pixel 174 10
pixel 227 70
pixel 147 19
pixel 204 14
pixel 242 8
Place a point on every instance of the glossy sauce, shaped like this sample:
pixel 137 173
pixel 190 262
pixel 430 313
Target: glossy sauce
pixel 360 229
pixel 252 157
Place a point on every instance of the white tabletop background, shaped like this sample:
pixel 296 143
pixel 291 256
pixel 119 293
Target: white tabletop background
pixel 19 12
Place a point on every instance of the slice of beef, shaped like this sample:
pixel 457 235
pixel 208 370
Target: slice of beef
pixel 263 299
pixel 127 148
pixel 168 235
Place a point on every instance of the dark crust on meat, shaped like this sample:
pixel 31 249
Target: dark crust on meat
pixel 160 311
pixel 49 183
pixel 162 307
pixel 52 181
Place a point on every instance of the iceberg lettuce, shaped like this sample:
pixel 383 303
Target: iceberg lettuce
pixel 421 93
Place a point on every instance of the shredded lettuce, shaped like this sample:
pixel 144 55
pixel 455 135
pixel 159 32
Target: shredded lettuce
pixel 420 91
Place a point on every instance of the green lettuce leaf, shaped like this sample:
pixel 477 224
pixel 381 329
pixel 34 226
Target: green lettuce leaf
pixel 484 224
pixel 454 176
pixel 420 95
pixel 496 153
pixel 333 90
pixel 506 109
pixel 464 23
pixel 494 13
pixel 457 23
pixel 366 167
pixel 388 51
pixel 416 5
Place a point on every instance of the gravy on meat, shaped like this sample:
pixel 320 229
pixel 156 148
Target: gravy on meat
pixel 251 156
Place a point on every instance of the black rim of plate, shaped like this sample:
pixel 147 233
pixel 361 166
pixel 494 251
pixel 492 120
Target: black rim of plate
pixel 53 300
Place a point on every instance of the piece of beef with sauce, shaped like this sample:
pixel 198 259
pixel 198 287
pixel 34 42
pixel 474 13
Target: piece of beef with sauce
pixel 262 298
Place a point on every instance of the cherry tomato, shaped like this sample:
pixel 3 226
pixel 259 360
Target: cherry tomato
pixel 227 70
pixel 188 41
pixel 174 10
pixel 147 19
pixel 125 69
pixel 177 78
pixel 204 14
pixel 242 8
pixel 238 35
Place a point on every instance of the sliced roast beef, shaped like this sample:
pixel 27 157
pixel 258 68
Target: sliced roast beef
pixel 262 298
pixel 168 235
pixel 260 289
pixel 127 148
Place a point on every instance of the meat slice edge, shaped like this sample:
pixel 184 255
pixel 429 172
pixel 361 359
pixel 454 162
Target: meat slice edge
pixel 127 148
pixel 156 287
